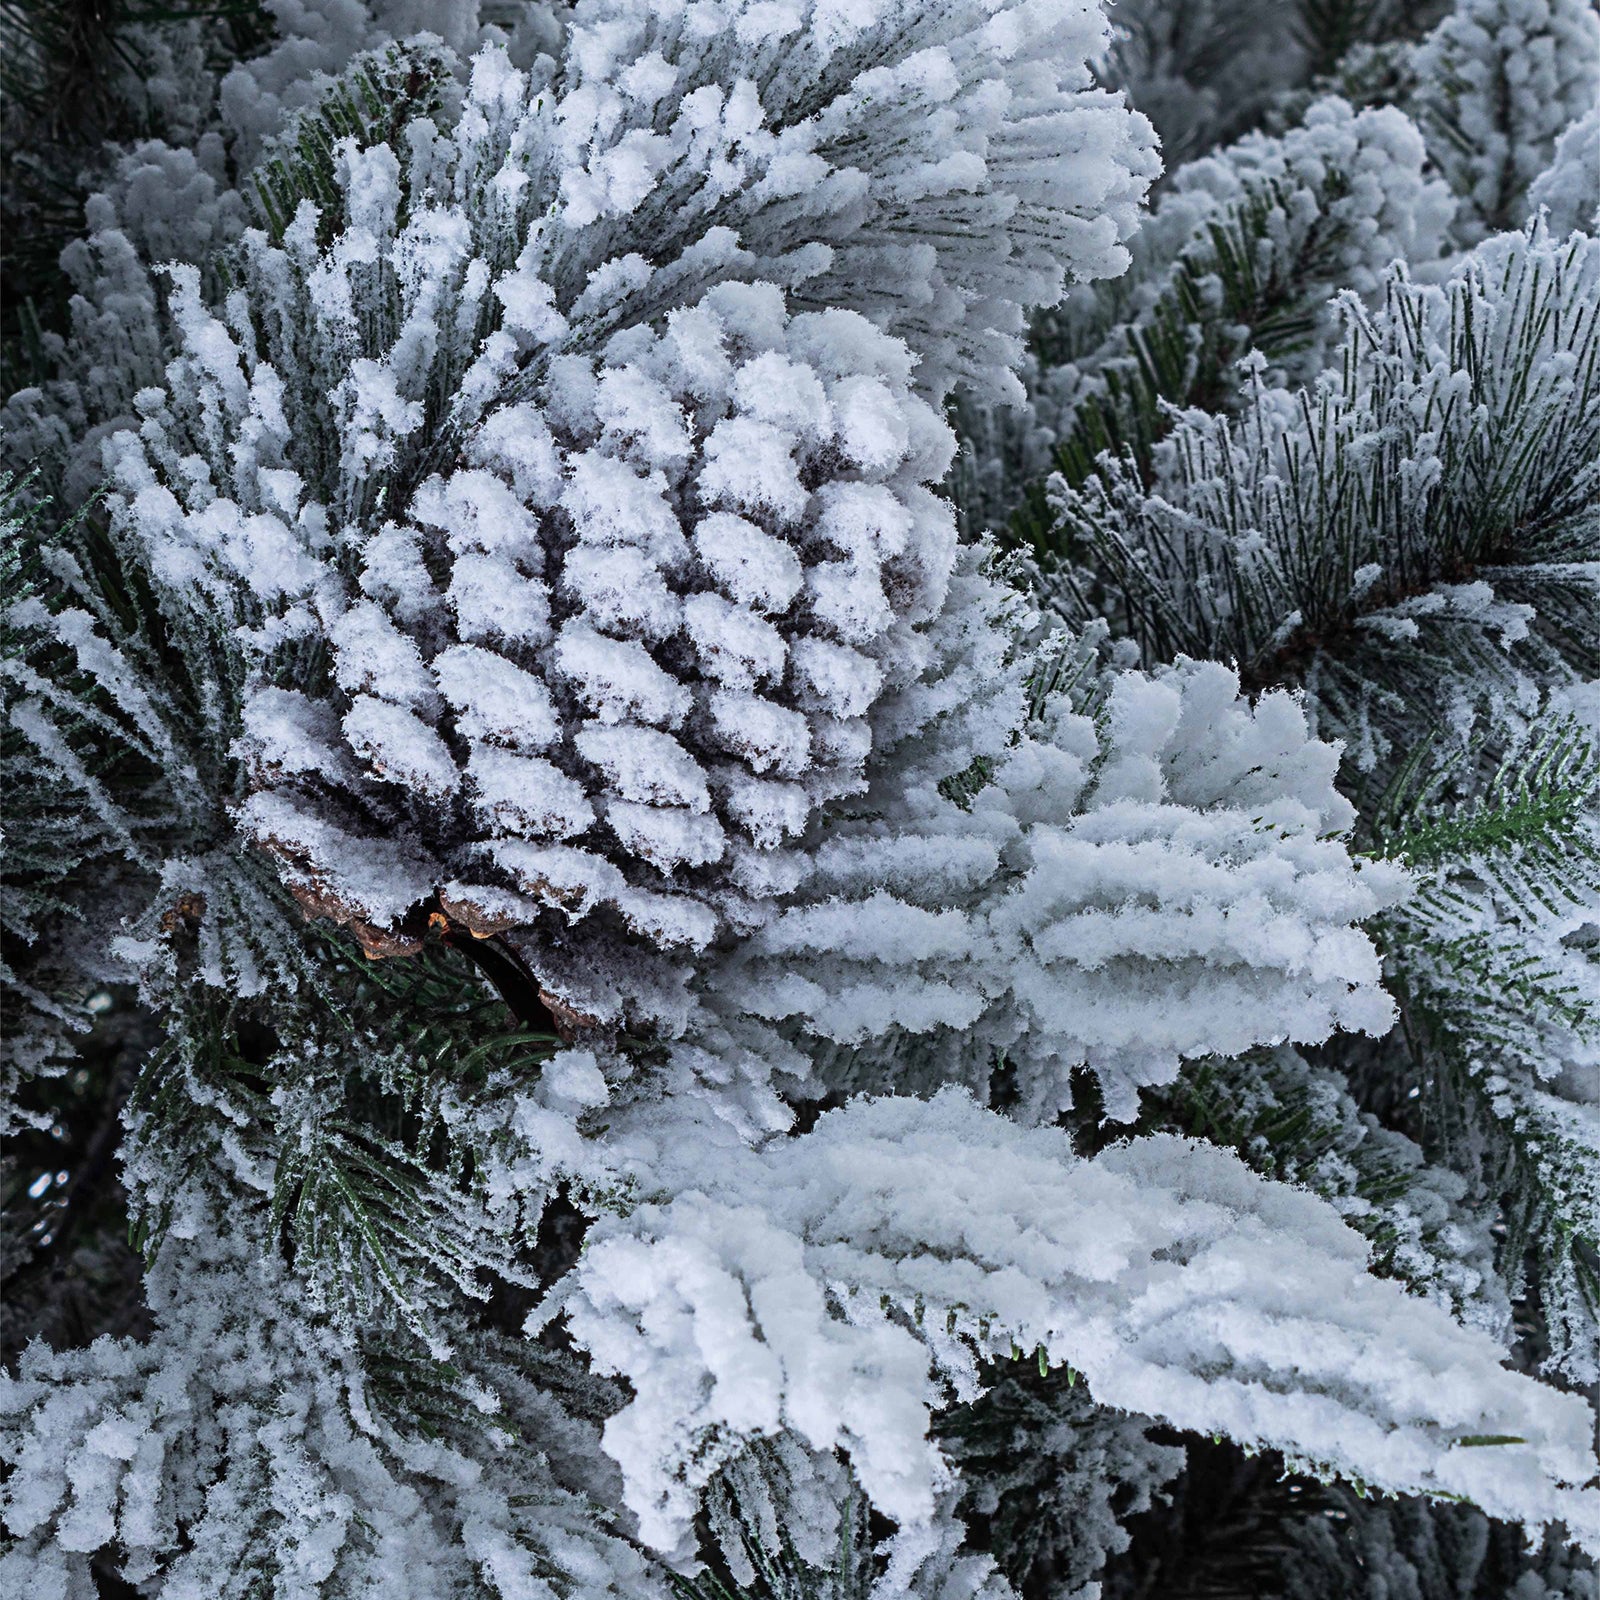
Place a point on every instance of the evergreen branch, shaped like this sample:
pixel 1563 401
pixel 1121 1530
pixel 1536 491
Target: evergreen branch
pixel 744 1531
pixel 1531 831
pixel 1495 999
pixel 1234 288
pixel 357 1101
pixel 1051 1479
pixel 1299 1124
pixel 1329 29
pixel 1327 535
pixel 371 104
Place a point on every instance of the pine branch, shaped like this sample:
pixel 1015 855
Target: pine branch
pixel 357 1099
pixel 70 84
pixel 1245 253
pixel 1234 288
pixel 1298 1123
pixel 371 104
pixel 1330 28
pixel 1345 537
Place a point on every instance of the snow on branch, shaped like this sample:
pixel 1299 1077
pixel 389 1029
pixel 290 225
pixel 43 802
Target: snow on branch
pixel 1159 882
pixel 834 1283
pixel 939 166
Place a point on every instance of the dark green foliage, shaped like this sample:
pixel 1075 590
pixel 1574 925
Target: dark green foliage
pixel 118 746
pixel 1498 981
pixel 743 1529
pixel 1229 291
pixel 70 81
pixel 52 840
pixel 1246 258
pixel 1526 828
pixel 1329 29
pixel 782 1574
pixel 63 56
pixel 1241 1528
pixel 1050 1476
pixel 1223 1535
pixel 69 1273
pixel 359 1101
pixel 53 844
pixel 120 689
pixel 1299 1123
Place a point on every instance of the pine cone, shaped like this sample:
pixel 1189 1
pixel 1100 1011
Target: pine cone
pixel 605 667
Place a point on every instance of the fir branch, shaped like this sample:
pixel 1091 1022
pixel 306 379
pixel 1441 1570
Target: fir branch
pixel 1530 832
pixel 1498 991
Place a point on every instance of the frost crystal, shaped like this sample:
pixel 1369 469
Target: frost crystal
pixel 1569 188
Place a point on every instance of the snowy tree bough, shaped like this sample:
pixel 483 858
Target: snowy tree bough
pixel 816 1284
pixel 525 534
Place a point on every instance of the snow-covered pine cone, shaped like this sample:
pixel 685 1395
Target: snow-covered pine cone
pixel 603 666
pixel 564 644
pixel 571 531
